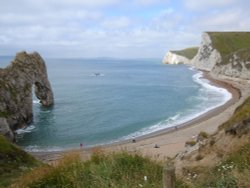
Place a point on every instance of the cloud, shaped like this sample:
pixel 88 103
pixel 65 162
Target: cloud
pixel 134 28
pixel 149 2
pixel 201 5
pixel 229 20
pixel 116 23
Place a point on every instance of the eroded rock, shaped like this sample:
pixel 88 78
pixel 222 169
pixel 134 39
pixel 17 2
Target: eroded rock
pixel 16 82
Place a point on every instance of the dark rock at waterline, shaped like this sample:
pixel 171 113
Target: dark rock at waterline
pixel 16 82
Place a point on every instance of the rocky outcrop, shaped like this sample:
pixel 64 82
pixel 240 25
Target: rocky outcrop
pixel 16 82
pixel 236 67
pixel 172 58
pixel 224 54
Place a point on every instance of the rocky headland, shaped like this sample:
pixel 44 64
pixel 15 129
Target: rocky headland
pixel 224 54
pixel 16 84
pixel 220 158
pixel 180 56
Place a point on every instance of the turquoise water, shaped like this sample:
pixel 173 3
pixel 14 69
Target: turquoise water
pixel 101 101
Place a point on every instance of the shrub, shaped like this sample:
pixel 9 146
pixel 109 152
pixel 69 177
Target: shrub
pixel 203 135
pixel 199 157
pixel 212 142
pixel 190 143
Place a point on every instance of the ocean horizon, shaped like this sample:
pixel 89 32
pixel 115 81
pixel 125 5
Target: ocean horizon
pixel 104 100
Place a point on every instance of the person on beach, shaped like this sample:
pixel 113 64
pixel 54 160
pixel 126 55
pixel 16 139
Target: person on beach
pixel 156 146
pixel 81 145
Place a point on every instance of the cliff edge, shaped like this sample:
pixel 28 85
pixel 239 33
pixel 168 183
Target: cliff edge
pixel 224 54
pixel 16 82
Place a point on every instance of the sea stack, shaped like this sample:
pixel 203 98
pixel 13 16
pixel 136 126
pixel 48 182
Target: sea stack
pixel 16 82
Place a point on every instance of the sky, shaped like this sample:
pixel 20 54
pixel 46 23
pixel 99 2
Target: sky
pixel 114 28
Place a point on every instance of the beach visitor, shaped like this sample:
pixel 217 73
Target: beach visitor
pixel 156 146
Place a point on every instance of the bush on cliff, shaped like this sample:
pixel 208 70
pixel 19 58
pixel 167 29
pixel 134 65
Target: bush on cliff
pixel 13 162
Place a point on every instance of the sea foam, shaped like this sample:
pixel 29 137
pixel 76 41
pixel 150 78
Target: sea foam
pixel 35 148
pixel 25 130
pixel 207 91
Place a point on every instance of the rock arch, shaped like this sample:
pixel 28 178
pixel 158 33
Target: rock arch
pixel 16 82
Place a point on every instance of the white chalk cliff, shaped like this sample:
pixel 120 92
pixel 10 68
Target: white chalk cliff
pixel 233 65
pixel 172 58
pixel 207 56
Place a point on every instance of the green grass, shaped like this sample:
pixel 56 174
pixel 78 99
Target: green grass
pixel 188 52
pixel 228 43
pixel 13 161
pixel 241 113
pixel 102 170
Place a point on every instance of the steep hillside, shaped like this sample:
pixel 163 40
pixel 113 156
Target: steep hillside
pixel 13 162
pixel 222 159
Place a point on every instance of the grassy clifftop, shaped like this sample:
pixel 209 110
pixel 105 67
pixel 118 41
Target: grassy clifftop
pixel 228 43
pixel 188 52
pixel 102 170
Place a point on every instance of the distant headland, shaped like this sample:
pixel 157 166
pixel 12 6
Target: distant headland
pixel 223 54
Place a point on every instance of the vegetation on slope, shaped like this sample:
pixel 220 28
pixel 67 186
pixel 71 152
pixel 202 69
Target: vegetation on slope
pixel 232 172
pixel 188 52
pixel 228 43
pixel 242 113
pixel 13 162
pixel 102 170
pixel 231 145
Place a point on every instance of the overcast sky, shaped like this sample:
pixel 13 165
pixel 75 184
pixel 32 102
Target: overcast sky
pixel 114 28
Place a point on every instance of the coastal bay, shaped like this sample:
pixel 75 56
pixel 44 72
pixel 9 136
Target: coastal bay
pixel 171 141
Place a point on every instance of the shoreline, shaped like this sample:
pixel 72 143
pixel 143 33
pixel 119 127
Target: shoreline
pixel 170 140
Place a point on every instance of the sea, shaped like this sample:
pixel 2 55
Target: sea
pixel 104 100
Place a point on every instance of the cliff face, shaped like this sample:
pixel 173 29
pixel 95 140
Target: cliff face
pixel 225 54
pixel 16 82
pixel 236 67
pixel 172 58
pixel 207 56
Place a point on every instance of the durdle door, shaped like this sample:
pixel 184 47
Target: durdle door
pixel 16 82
